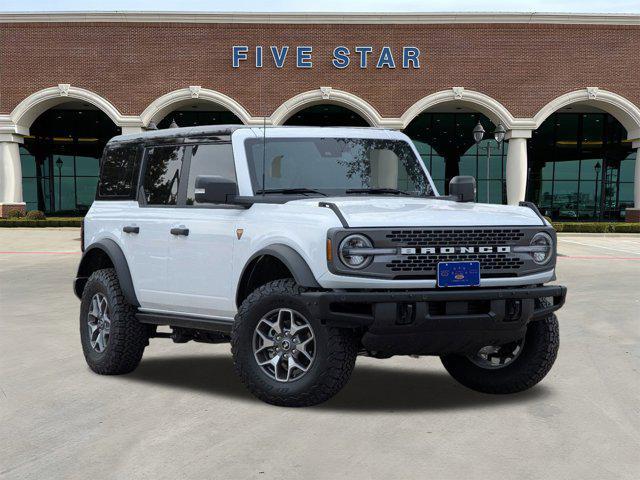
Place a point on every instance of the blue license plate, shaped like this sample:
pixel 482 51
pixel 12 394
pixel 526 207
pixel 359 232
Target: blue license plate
pixel 458 274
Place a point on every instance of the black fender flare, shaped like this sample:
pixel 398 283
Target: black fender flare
pixel 291 259
pixel 119 262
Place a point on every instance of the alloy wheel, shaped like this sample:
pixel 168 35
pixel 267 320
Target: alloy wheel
pixel 284 345
pixel 99 323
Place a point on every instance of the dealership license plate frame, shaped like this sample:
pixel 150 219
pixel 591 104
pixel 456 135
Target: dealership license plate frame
pixel 458 274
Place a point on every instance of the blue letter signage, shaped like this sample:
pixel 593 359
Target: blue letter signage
pixel 364 56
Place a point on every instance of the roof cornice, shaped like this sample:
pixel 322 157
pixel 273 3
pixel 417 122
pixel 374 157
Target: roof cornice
pixel 321 18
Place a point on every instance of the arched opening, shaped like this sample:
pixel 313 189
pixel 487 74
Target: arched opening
pixel 199 113
pixel 443 136
pixel 60 157
pixel 326 115
pixel 581 165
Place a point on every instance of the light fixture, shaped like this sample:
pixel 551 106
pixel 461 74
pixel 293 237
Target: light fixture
pixel 499 133
pixel 478 132
pixel 173 123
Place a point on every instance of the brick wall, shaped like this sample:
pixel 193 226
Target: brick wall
pixel 131 64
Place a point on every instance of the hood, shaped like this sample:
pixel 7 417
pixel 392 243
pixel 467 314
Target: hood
pixel 372 211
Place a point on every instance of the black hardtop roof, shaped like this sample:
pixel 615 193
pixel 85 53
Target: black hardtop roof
pixel 169 134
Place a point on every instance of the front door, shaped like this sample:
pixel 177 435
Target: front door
pixel 200 254
pixel 146 236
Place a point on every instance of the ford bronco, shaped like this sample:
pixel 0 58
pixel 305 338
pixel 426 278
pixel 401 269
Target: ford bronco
pixel 304 248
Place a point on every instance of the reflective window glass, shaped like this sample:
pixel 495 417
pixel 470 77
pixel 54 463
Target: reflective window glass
pixel 209 159
pixel 162 174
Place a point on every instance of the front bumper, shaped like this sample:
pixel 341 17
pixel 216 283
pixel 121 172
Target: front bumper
pixel 435 322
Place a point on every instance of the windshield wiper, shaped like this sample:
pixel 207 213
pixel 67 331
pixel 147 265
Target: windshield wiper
pixel 376 191
pixel 290 191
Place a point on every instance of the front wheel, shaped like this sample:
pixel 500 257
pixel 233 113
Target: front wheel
pixel 283 354
pixel 509 368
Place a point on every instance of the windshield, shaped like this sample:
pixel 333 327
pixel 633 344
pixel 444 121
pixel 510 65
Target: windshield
pixel 335 166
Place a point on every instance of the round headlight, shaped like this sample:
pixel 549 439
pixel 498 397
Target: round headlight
pixel 355 260
pixel 542 255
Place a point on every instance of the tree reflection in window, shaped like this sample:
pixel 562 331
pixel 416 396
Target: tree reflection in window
pixel 162 175
pixel 333 165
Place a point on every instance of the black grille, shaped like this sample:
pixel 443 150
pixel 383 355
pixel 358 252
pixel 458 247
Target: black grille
pixel 489 262
pixel 452 238
pixel 425 264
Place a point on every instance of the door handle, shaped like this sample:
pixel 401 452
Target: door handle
pixel 180 231
pixel 130 229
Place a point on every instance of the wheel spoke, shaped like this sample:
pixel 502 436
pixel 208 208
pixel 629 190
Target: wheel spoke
pixel 100 341
pixel 293 363
pixel 95 307
pixel 283 315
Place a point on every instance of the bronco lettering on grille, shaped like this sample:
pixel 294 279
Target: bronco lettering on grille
pixel 450 250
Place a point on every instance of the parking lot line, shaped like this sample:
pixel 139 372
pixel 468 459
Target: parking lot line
pixel 598 246
pixel 39 253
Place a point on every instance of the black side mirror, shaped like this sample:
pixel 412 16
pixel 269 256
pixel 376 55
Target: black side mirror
pixel 464 187
pixel 214 189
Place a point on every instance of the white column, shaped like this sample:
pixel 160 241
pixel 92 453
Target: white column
pixel 517 165
pixel 10 174
pixel 128 129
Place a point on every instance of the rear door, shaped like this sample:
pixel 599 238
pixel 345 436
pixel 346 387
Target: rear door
pixel 200 255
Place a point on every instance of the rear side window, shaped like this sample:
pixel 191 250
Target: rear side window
pixel 118 174
pixel 209 159
pixel 161 180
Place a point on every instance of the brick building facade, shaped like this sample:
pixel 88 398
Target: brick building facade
pixel 515 69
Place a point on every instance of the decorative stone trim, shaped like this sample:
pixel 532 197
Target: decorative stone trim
pixel 458 92
pixel 25 113
pixel 625 111
pixel 492 108
pixel 163 105
pixel 195 91
pixel 592 92
pixel 324 18
pixel 327 95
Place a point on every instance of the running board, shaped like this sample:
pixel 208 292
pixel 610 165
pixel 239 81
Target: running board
pixel 210 324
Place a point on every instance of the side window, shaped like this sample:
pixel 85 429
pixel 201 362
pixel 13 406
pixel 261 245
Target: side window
pixel 118 173
pixel 162 174
pixel 210 159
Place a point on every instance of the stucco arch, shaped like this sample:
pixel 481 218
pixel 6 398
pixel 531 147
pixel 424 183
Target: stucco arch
pixel 458 96
pixel 622 109
pixel 327 95
pixel 162 106
pixel 28 110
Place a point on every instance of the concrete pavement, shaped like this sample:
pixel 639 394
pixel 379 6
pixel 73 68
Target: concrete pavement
pixel 183 413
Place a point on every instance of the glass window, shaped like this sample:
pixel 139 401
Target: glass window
pixel 162 174
pixel 87 166
pixel 86 191
pixel 453 149
pixel 119 166
pixel 335 165
pixel 209 159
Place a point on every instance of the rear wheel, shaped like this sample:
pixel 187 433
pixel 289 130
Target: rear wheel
pixel 113 340
pixel 283 355
pixel 512 367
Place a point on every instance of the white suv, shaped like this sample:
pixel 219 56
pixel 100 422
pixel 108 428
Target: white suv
pixel 305 247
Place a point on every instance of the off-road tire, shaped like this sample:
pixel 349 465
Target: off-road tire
pixel 538 354
pixel 128 337
pixel 336 350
